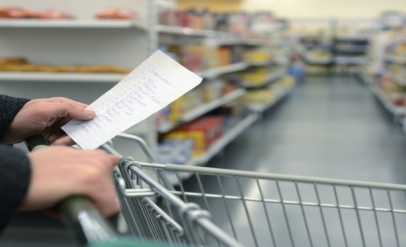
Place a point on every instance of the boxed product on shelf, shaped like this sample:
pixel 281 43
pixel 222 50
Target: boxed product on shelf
pixel 203 132
pixel 18 64
pixel 175 151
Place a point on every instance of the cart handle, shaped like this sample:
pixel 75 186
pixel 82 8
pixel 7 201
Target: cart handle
pixel 78 212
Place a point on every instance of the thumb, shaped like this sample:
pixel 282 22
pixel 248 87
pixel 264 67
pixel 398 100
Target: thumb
pixel 71 110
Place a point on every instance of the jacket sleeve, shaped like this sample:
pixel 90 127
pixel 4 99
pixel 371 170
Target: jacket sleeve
pixel 15 168
pixel 9 107
pixel 15 173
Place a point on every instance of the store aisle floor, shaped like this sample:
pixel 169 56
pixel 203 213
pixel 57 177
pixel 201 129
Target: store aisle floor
pixel 329 127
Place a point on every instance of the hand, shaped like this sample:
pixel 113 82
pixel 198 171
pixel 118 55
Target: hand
pixel 60 172
pixel 46 117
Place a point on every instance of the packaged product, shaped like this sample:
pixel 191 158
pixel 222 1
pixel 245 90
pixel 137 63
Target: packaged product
pixel 116 13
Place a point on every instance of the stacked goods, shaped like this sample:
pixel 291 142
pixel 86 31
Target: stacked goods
pixel 267 94
pixel 260 96
pixel 261 75
pixel 255 76
pixel 203 132
pixel 203 94
pixel 398 70
pixel 258 55
pixel 393 91
pixel 198 58
pixel 18 64
pixel 238 22
pixel 193 139
pixel 23 13
pixel 116 13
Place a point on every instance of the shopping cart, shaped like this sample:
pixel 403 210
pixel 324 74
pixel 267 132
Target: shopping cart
pixel 219 207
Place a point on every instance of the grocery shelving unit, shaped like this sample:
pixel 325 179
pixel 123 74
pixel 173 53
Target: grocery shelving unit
pixel 61 77
pixel 395 78
pixel 224 141
pixel 119 42
pixel 260 108
pixel 85 24
pixel 397 111
pixel 274 75
pixel 201 110
pixel 395 59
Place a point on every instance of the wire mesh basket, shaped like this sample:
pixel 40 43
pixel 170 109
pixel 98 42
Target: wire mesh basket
pixel 219 207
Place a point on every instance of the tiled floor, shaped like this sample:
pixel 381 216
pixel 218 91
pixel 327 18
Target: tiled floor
pixel 329 127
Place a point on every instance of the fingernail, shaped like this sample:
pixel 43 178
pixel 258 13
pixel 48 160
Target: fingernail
pixel 90 113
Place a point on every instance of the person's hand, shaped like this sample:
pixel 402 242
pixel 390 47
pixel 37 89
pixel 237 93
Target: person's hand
pixel 60 172
pixel 46 117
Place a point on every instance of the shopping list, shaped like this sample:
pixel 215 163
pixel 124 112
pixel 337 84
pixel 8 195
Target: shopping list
pixel 154 84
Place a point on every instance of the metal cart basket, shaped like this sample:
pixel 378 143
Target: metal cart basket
pixel 219 207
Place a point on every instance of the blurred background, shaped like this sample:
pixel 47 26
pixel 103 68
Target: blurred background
pixel 298 87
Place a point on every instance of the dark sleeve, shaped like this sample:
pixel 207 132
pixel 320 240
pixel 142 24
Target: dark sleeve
pixel 15 173
pixel 9 107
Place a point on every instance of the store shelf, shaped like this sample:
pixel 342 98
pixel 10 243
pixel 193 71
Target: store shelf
pixel 312 60
pixel 185 31
pixel 395 59
pixel 215 72
pixel 270 78
pixel 259 64
pixel 224 141
pixel 202 110
pixel 351 50
pixel 395 78
pixel 395 110
pixel 61 77
pixel 32 23
pixel 259 108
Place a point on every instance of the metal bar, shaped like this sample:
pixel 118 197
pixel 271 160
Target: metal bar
pixel 284 213
pixel 129 193
pixel 393 218
pixel 199 182
pixel 304 215
pixel 272 176
pixel 358 217
pixel 246 211
pixel 376 217
pixel 266 213
pixel 226 206
pixel 340 216
pixel 322 214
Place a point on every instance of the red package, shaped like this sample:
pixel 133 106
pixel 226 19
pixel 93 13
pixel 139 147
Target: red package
pixel 116 13
pixel 16 12
pixel 52 14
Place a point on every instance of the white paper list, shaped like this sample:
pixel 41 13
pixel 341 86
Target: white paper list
pixel 154 84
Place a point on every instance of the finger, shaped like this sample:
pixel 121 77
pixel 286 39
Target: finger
pixel 61 141
pixel 71 110
pixel 107 201
pixel 56 131
pixel 106 160
pixel 66 100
